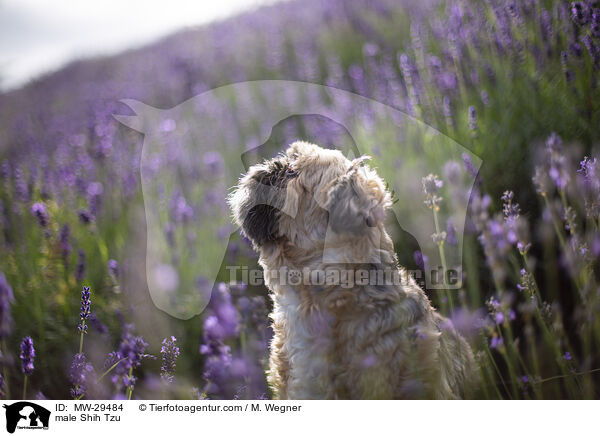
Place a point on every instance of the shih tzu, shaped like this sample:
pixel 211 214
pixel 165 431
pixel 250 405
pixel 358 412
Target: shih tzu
pixel 312 212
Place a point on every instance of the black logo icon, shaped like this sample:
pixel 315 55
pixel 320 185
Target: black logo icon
pixel 26 415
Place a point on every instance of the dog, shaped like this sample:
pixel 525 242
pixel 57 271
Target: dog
pixel 367 341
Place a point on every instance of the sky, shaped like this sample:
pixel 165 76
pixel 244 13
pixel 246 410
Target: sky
pixel 39 36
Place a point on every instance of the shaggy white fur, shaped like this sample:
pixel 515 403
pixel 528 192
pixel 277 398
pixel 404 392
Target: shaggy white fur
pixel 311 209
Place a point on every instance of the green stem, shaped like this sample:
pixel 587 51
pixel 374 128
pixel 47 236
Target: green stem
pixel 103 375
pixel 81 336
pixel 25 387
pixel 110 369
pixel 443 259
pixel 576 374
pixel 555 224
pixel 497 371
pixel 129 388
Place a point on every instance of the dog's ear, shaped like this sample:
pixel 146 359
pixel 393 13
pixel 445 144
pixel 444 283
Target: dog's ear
pixel 356 201
pixel 260 198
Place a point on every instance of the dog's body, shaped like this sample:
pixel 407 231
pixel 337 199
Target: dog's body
pixel 371 340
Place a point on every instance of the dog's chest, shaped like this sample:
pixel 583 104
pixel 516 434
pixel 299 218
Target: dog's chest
pixel 307 345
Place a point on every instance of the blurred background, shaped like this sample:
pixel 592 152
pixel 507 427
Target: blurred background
pixel 514 82
pixel 40 36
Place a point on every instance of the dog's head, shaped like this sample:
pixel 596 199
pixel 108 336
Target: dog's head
pixel 297 196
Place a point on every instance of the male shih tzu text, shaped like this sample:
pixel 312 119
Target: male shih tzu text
pixel 313 209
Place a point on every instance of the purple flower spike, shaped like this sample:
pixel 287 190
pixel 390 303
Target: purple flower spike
pixel 113 268
pixel 469 167
pixel 170 353
pixel 451 232
pixel 131 352
pixel 84 216
pixel 472 118
pixel 84 314
pixel 40 212
pixel 65 246
pixel 80 268
pixel 6 298
pixel 420 259
pixel 432 184
pixel 81 374
pixel 496 342
pixel 27 355
pixel 579 13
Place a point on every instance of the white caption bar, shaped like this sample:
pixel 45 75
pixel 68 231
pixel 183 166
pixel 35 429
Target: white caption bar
pixel 296 417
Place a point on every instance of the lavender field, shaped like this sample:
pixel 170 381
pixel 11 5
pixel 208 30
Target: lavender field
pixel 513 82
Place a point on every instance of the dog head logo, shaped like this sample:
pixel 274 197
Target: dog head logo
pixel 26 415
pixel 194 153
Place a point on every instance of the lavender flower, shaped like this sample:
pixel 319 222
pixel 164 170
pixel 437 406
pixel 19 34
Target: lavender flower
pixel 510 209
pixel 431 186
pixel 63 239
pixel 564 61
pixel 80 268
pixel 485 98
pixel 21 187
pixel 439 238
pixel 499 318
pixel 84 216
pixel 131 352
pixel 40 212
pixel 27 355
pixel 554 143
pixel 526 282
pixel 451 232
pixel 588 167
pixel 576 49
pixel 469 167
pixel 496 342
pixel 554 169
pixel 180 210
pixel 170 353
pixel 113 268
pixel 226 372
pixel 6 298
pixel 94 192
pixel 472 118
pixel 420 259
pixel 517 230
pixel 595 23
pixel 81 375
pixel 589 181
pixel 579 13
pixel 85 309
